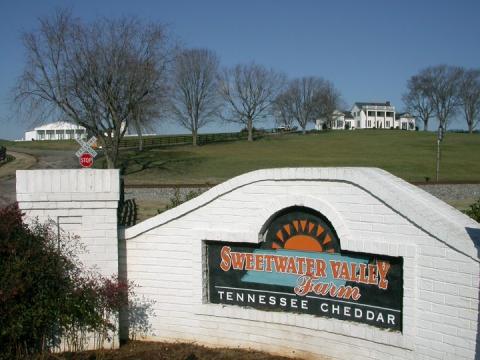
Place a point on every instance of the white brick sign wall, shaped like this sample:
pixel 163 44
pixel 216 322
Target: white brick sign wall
pixel 371 211
pixel 83 202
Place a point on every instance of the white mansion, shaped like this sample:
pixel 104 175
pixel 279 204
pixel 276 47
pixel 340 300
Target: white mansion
pixel 370 116
pixel 60 130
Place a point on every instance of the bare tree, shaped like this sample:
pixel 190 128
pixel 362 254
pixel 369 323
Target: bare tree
pixel 469 95
pixel 195 100
pixel 441 85
pixel 417 103
pixel 249 91
pixel 330 101
pixel 104 75
pixel 281 111
pixel 304 97
pixel 145 117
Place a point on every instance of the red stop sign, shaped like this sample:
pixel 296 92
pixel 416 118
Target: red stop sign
pixel 86 160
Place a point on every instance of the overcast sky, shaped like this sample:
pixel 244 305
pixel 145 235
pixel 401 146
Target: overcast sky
pixel 368 49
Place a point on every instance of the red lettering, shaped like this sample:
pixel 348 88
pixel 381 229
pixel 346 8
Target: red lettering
pixel 259 262
pixel 353 272
pixel 226 259
pixel 280 263
pixel 344 274
pixel 248 262
pixel 310 264
pixel 291 268
pixel 238 260
pixel 333 290
pixel 321 288
pixel 372 275
pixel 321 268
pixel 268 260
pixel 301 263
pixel 335 265
pixel 383 268
pixel 363 276
pixel 304 285
pixel 347 292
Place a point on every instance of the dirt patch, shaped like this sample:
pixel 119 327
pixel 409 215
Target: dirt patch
pixel 7 175
pixel 168 351
pixel 22 161
pixel 31 159
pixel 53 159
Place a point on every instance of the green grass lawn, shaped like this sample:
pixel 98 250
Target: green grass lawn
pixel 41 145
pixel 410 155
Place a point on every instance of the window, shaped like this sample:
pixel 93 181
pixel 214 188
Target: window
pixel 389 114
pixel 404 126
pixel 79 133
pixel 371 113
pixel 380 113
pixel 369 123
pixel 387 124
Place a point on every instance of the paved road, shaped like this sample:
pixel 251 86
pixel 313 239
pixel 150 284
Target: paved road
pixel 32 159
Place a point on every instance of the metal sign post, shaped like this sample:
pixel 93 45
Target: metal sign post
pixel 440 136
pixel 86 154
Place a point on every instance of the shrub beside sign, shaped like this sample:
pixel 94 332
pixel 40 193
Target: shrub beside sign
pixel 301 268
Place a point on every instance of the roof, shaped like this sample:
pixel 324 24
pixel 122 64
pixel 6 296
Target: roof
pixel 60 125
pixel 404 115
pixel 364 104
pixel 348 114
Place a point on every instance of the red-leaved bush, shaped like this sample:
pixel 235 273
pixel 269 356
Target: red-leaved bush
pixel 46 295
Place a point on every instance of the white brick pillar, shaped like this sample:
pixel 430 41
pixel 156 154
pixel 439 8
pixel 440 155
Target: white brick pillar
pixel 82 202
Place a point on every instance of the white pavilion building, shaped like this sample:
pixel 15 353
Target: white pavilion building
pixel 60 130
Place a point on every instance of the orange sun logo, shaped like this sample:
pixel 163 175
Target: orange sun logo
pixel 304 236
pixel 301 231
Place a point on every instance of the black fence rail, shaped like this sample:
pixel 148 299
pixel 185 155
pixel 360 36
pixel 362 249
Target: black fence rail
pixel 3 153
pixel 127 210
pixel 153 141
pixel 211 138
pixel 127 213
pixel 202 139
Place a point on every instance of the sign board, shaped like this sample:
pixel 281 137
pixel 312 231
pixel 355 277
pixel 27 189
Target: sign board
pixel 86 153
pixel 300 268
pixel 86 160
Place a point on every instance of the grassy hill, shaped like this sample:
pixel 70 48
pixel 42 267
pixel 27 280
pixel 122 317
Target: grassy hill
pixel 41 145
pixel 410 155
